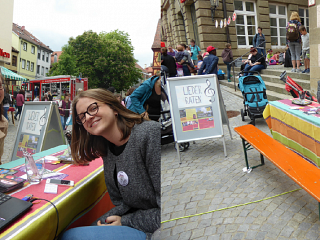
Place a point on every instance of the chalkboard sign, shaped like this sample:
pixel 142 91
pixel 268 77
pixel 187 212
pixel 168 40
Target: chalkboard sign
pixel 39 129
pixel 197 108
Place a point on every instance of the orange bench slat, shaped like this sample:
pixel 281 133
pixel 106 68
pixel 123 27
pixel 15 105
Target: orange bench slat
pixel 297 168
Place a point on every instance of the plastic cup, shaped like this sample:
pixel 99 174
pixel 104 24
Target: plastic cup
pixel 34 169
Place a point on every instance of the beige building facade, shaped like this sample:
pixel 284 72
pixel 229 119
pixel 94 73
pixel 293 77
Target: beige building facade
pixel 193 19
pixel 6 17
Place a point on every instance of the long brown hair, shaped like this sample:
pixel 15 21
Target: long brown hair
pixel 86 147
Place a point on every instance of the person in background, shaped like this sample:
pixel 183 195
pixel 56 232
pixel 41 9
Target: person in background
pixel 169 62
pixel 111 89
pixel 6 104
pixel 200 61
pixel 3 121
pixel 64 107
pixel 45 97
pixel 259 42
pixel 19 104
pixel 210 62
pixel 131 152
pixel 305 48
pixel 256 62
pixel 294 40
pixel 274 60
pixel 269 55
pixel 49 96
pixel 185 61
pixel 171 52
pixel 127 99
pixel 227 58
pixel 80 90
pixel 119 97
pixel 195 51
pixel 145 100
pixel 36 99
pixel 189 50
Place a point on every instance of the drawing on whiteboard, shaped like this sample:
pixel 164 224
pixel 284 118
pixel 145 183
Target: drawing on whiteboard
pixel 31 122
pixel 43 119
pixel 27 143
pixel 209 92
pixel 196 118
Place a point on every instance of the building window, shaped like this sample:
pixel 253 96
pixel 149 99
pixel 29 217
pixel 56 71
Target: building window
pixel 14 61
pixel 278 23
pixel 245 22
pixel 25 46
pixel 304 16
pixel 28 65
pixel 33 49
pixel 23 63
pixel 39 54
pixel 47 71
pixel 47 58
pixel 42 71
pixel 32 67
pixel 38 69
pixel 42 56
pixel 194 23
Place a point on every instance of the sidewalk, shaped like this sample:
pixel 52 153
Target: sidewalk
pixel 207 181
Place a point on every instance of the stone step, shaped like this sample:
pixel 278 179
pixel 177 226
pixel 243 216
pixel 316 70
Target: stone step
pixel 271 95
pixel 277 72
pixel 305 84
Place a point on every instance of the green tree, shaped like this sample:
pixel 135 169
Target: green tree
pixel 66 64
pixel 105 58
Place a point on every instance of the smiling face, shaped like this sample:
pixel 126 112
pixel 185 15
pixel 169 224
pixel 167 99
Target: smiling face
pixel 101 123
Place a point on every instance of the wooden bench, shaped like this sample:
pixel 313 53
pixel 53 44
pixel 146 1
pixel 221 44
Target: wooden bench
pixel 298 169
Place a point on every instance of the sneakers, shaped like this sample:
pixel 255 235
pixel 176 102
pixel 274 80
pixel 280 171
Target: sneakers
pixel 298 70
pixel 229 80
pixel 308 70
pixel 304 71
pixel 293 70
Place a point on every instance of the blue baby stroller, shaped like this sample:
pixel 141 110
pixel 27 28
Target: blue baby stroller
pixel 255 98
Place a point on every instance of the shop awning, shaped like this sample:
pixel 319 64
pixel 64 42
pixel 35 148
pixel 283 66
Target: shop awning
pixel 6 73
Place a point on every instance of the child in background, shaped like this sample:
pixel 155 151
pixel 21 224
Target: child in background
pixel 200 60
pixel 281 58
pixel 274 60
pixel 269 55
pixel 305 48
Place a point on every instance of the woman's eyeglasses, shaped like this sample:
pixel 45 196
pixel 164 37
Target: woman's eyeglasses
pixel 92 110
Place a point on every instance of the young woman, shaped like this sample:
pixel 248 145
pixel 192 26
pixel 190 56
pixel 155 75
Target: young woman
pixel 3 120
pixel 19 102
pixel 294 41
pixel 256 62
pixel 130 149
pixel 146 98
pixel 64 107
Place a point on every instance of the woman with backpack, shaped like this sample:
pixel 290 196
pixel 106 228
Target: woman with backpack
pixel 294 40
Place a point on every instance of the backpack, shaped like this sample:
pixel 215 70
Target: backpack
pixel 292 32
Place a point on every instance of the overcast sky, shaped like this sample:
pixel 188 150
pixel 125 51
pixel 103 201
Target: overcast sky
pixel 54 21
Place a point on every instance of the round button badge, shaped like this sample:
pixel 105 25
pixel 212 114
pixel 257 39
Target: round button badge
pixel 123 178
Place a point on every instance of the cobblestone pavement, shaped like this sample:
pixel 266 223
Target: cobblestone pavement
pixel 206 181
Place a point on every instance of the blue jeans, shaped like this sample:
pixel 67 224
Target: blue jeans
pixel 228 69
pixel 63 122
pixel 254 68
pixel 186 71
pixel 261 51
pixel 19 111
pixel 103 232
pixel 5 112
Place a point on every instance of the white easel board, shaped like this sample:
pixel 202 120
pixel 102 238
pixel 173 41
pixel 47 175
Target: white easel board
pixel 197 108
pixel 39 129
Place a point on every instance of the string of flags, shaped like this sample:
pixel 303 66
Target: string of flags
pixel 225 22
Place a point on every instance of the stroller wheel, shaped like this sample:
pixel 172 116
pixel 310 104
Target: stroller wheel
pixel 181 147
pixel 242 115
pixel 253 121
pixel 186 145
